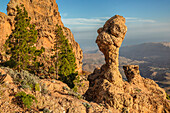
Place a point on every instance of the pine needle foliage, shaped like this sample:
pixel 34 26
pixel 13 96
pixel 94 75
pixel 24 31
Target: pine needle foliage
pixel 25 100
pixel 65 60
pixel 21 43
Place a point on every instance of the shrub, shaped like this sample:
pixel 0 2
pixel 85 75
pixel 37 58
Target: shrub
pixel 73 93
pixel 167 96
pixel 46 110
pixel 24 78
pixel 138 90
pixel 86 105
pixel 44 89
pixel 37 87
pixel 77 83
pixel 25 100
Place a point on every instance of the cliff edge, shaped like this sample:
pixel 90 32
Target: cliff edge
pixel 45 15
pixel 106 86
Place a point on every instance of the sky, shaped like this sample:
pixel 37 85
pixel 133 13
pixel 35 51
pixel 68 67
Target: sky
pixel 147 20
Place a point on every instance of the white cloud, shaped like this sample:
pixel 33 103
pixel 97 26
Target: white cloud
pixel 84 24
pixel 82 21
pixel 141 20
pixel 156 28
pixel 150 21
pixel 104 18
pixel 64 14
pixel 99 20
pixel 130 18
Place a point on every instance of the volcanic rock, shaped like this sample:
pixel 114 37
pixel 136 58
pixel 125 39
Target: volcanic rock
pixel 4 77
pixel 54 96
pixel 106 86
pixel 5 28
pixel 44 14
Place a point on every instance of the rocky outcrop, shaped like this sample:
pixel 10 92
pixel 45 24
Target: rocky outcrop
pixel 109 41
pixel 5 28
pixel 137 94
pixel 54 96
pixel 44 14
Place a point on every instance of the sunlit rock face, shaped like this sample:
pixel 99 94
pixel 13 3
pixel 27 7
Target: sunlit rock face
pixel 106 86
pixel 45 15
pixel 109 40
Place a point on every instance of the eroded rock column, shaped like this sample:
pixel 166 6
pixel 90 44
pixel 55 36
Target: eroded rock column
pixel 107 80
pixel 106 87
pixel 109 41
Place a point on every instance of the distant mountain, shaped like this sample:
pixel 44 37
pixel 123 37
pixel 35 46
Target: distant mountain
pixel 153 59
pixel 92 51
pixel 156 53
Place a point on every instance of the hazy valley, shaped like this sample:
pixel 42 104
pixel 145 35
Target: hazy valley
pixel 153 59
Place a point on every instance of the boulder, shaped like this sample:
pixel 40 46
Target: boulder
pixel 4 77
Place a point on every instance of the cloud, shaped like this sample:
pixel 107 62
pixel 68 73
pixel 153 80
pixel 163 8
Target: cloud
pixel 140 20
pixel 84 24
pixel 156 28
pixel 104 18
pixel 64 14
pixel 130 18
pixel 140 30
pixel 82 21
pixel 150 21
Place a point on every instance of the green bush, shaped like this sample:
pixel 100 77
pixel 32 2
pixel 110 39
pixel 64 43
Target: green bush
pixel 167 96
pixel 37 87
pixel 77 83
pixel 25 100
pixel 44 89
pixel 24 79
pixel 86 105
pixel 73 93
pixel 46 110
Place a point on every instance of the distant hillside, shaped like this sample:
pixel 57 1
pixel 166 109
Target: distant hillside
pixel 153 59
pixel 156 53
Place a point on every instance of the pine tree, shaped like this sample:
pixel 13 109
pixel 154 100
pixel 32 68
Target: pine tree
pixel 54 67
pixel 21 42
pixel 65 60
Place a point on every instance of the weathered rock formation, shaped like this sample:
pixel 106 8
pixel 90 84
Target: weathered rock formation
pixel 5 28
pixel 54 96
pixel 137 95
pixel 44 14
pixel 109 40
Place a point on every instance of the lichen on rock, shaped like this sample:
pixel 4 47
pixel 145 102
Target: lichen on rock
pixel 106 85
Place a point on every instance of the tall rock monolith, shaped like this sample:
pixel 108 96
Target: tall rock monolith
pixel 106 86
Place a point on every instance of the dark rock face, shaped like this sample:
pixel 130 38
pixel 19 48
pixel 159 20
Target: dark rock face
pixel 131 72
pixel 44 14
pixel 106 85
